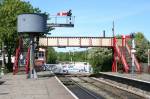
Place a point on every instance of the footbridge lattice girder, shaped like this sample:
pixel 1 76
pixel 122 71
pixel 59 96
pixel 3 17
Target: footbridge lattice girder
pixel 76 41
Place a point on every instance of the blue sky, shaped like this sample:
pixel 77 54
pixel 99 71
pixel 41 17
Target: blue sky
pixel 94 16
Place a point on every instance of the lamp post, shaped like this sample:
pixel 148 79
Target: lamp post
pixel 133 52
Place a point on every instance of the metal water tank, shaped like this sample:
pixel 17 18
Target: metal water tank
pixel 32 23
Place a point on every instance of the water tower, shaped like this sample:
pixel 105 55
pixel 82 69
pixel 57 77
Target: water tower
pixel 32 25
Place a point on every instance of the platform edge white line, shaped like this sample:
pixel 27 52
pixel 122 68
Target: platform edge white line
pixel 66 88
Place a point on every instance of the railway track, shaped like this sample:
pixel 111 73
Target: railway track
pixel 112 90
pixel 78 90
pixel 137 86
pixel 98 88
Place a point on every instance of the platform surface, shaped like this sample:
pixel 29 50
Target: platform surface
pixel 45 87
pixel 141 77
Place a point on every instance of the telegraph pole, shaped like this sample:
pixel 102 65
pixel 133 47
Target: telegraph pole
pixel 103 33
pixel 113 29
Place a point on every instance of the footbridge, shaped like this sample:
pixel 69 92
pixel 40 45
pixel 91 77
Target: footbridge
pixel 76 41
pixel 122 51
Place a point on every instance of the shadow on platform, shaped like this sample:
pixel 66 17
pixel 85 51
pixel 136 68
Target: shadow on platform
pixel 1 82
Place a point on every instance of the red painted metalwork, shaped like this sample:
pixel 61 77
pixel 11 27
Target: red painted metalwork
pixel 123 40
pixel 15 66
pixel 114 65
pixel 119 55
pixel 123 47
pixel 18 52
pixel 62 13
pixel 27 68
pixel 123 59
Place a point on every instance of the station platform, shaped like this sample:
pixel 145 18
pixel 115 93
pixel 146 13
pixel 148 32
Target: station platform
pixel 143 77
pixel 46 86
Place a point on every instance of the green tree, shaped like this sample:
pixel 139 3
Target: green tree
pixel 52 56
pixel 9 10
pixel 100 59
pixel 142 46
pixel 63 56
pixel 75 56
